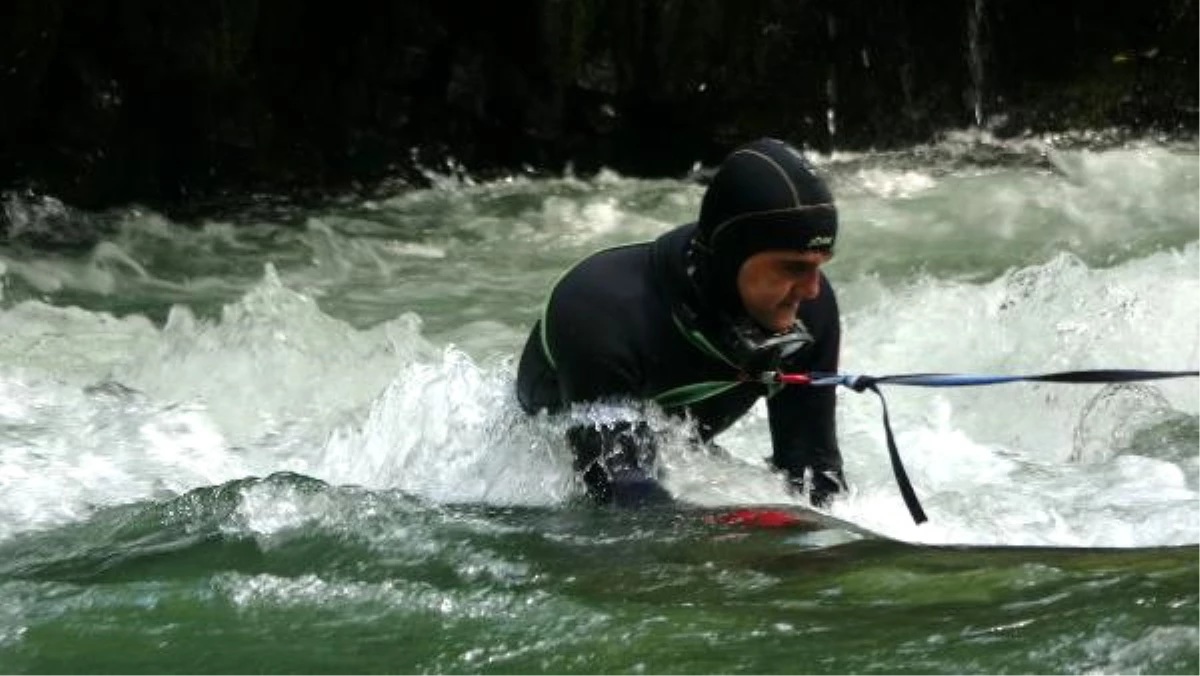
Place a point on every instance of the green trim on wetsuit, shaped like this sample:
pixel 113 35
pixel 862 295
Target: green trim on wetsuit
pixel 686 395
pixel 696 338
pixel 545 340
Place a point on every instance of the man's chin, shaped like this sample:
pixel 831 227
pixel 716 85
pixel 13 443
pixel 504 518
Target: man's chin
pixel 783 320
pixel 782 326
pixel 776 323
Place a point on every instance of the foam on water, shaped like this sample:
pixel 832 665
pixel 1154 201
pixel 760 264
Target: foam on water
pixel 277 385
pixel 1029 463
pixel 274 360
pixel 1107 208
pixel 99 409
pixel 451 432
pixel 273 385
pixel 1145 654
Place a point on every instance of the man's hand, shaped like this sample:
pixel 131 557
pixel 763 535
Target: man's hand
pixel 822 485
pixel 618 463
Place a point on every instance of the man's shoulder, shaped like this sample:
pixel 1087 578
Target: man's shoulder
pixel 610 277
pixel 614 259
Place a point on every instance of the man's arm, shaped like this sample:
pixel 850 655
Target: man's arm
pixel 804 437
pixel 595 365
pixel 803 418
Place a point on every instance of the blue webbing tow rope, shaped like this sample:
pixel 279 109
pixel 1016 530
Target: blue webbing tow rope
pixel 860 383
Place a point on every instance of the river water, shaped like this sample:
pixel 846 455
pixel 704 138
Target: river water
pixel 286 440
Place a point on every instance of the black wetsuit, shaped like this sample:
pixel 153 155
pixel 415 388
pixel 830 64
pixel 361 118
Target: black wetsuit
pixel 614 331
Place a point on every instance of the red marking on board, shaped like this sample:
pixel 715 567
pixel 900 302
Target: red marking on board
pixel 760 518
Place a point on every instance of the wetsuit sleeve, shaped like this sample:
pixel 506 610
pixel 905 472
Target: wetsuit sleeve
pixel 803 419
pixel 591 362
pixel 595 362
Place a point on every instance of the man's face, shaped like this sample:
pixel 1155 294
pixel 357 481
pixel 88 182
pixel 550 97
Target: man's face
pixel 773 283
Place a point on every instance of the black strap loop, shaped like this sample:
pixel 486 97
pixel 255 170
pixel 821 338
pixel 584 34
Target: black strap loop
pixel 863 383
pixel 906 487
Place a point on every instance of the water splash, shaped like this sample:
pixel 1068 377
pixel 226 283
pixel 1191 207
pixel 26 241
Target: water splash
pixel 291 374
pixel 975 51
pixel 999 464
pixel 451 432
pixel 831 90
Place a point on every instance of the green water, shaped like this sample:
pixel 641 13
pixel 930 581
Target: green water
pixel 385 583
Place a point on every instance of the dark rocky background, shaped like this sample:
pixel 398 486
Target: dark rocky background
pixel 179 103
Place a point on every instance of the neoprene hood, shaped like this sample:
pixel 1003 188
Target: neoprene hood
pixel 764 196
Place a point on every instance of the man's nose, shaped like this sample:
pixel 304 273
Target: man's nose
pixel 807 285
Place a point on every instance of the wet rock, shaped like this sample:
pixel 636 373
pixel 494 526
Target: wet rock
pixel 177 104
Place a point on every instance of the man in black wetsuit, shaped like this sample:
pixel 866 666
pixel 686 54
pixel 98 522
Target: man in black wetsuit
pixel 691 320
